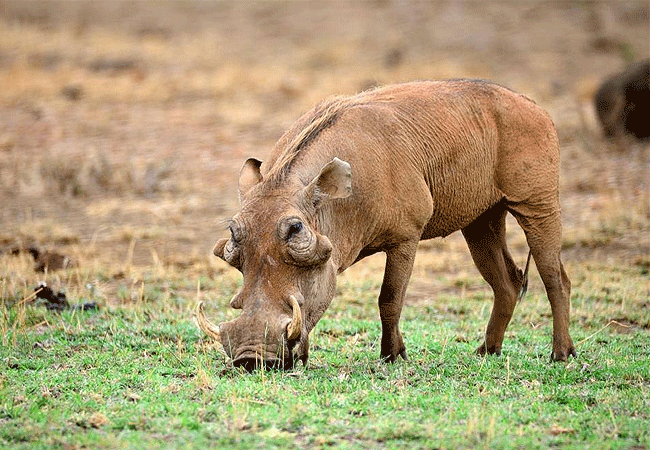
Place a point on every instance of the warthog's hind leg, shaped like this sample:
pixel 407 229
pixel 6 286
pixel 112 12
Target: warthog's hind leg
pixel 544 236
pixel 486 239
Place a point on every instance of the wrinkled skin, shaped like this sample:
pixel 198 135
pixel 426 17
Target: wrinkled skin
pixel 381 171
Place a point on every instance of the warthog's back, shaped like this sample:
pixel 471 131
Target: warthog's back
pixel 439 151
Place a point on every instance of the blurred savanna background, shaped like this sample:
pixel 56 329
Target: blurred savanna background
pixel 123 125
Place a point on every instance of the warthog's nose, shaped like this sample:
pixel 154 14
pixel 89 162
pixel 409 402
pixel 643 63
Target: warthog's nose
pixel 250 364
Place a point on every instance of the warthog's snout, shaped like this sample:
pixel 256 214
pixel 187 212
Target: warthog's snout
pixel 271 349
pixel 252 363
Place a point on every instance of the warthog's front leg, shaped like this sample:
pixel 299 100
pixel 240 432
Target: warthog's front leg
pixel 399 265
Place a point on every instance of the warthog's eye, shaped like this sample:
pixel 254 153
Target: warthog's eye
pixel 304 246
pixel 290 229
pixel 294 229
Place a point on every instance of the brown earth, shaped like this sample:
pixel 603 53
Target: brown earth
pixel 123 124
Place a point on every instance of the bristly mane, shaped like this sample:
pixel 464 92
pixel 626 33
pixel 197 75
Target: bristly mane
pixel 302 134
pixel 324 115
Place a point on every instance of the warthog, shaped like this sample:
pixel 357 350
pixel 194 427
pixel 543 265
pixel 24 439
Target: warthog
pixel 623 102
pixel 378 172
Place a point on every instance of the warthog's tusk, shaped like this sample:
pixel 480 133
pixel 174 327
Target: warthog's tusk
pixel 295 326
pixel 205 325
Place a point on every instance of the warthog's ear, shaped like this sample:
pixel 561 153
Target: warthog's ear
pixel 249 176
pixel 334 181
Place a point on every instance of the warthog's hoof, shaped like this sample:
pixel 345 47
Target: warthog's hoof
pixel 393 358
pixel 485 349
pixel 392 348
pixel 563 355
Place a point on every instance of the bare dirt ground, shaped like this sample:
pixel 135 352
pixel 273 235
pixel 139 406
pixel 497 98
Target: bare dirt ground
pixel 123 124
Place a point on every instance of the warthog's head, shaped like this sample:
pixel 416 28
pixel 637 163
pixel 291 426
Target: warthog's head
pixel 277 243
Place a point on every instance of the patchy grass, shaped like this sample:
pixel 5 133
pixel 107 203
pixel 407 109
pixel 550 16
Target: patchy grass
pixel 140 373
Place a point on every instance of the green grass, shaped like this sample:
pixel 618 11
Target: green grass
pixel 140 375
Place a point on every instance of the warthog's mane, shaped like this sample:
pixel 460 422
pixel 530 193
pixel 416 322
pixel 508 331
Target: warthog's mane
pixel 296 140
pixel 322 117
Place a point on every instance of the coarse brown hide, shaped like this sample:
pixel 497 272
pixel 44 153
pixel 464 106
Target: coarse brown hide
pixel 378 172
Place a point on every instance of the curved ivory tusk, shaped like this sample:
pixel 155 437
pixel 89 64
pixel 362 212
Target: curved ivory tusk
pixel 205 325
pixel 294 328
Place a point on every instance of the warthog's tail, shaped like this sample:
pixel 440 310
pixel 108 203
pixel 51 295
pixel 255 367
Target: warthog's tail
pixel 524 283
